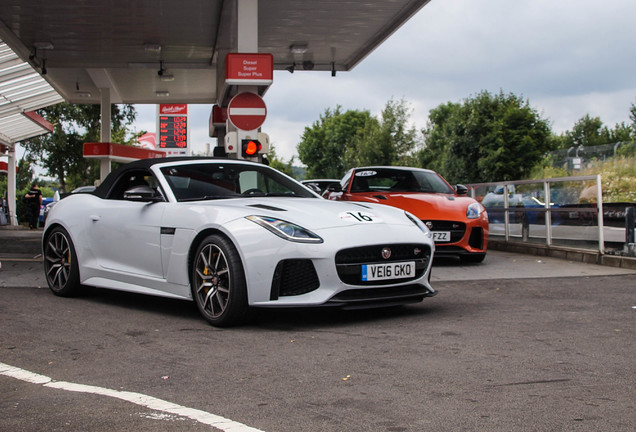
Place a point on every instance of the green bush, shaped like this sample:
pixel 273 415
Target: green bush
pixel 627 150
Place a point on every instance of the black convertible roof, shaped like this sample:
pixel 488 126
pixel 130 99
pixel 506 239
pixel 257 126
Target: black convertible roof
pixel 143 164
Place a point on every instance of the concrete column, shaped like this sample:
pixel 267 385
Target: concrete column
pixel 104 166
pixel 247 26
pixel 11 185
pixel 246 42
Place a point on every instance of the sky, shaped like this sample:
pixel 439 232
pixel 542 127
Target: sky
pixel 568 58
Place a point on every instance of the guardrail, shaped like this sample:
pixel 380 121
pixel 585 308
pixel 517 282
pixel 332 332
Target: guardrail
pixel 564 211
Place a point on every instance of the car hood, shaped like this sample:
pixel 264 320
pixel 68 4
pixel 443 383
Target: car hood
pixel 422 205
pixel 311 213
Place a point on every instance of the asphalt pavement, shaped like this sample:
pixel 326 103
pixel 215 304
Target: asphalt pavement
pixel 517 343
pixel 20 255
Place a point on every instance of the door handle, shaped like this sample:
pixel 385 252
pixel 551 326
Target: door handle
pixel 95 218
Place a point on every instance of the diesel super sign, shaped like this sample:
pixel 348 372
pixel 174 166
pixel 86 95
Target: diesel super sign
pixel 249 69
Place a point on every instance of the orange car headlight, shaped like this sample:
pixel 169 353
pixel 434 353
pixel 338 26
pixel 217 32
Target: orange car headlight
pixel 474 210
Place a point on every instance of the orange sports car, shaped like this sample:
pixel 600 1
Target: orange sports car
pixel 459 224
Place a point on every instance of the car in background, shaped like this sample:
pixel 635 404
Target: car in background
pixel 231 235
pixel 523 208
pixel 49 205
pixel 459 224
pixel 319 185
pixel 46 201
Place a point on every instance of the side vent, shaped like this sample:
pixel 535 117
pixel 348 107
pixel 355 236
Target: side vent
pixel 294 277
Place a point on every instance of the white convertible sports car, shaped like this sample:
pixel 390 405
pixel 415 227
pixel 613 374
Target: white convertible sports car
pixel 231 235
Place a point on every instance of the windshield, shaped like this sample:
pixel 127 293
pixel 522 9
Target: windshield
pixel 398 180
pixel 204 181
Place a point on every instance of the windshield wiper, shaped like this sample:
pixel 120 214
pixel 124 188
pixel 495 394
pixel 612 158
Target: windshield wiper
pixel 208 197
pixel 282 194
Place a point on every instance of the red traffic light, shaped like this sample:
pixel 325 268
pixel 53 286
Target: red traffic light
pixel 250 148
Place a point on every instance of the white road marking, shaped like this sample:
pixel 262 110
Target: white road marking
pixel 150 402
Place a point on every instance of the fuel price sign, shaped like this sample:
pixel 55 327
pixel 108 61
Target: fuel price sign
pixel 173 132
pixel 173 129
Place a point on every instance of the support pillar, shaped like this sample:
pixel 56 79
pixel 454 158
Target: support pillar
pixel 247 42
pixel 104 165
pixel 11 185
pixel 247 26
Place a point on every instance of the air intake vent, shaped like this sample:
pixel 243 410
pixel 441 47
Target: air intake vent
pixel 476 238
pixel 294 277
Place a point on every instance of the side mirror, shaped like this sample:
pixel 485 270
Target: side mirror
pixel 334 187
pixel 461 189
pixel 142 193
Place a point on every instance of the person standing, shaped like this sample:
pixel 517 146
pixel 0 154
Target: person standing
pixel 34 202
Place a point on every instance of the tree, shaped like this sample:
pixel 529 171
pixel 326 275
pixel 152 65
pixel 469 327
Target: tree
pixel 485 138
pixel 587 131
pixel 61 153
pixel 324 144
pixel 387 141
pixel 24 175
pixel 632 116
pixel 590 131
pixel 279 164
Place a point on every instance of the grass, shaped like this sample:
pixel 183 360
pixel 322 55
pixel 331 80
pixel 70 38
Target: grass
pixel 618 178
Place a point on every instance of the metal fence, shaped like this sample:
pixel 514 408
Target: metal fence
pixel 575 158
pixel 565 211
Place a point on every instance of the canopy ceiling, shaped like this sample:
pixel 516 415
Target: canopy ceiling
pixel 22 90
pixel 80 47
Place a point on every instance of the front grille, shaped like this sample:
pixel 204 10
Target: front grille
pixel 457 229
pixel 294 277
pixel 349 261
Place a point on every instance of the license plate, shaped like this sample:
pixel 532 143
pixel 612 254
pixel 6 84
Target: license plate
pixel 396 270
pixel 441 236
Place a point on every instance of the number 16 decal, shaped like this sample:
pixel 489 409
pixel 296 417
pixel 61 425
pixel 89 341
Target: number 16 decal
pixel 361 217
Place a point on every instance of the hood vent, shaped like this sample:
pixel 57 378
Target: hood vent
pixel 266 207
pixel 361 205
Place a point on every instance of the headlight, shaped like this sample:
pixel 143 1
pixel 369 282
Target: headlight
pixel 419 224
pixel 474 210
pixel 286 230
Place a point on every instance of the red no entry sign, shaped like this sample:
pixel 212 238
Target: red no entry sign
pixel 247 111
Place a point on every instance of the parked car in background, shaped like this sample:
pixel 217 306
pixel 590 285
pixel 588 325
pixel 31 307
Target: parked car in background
pixel 46 201
pixel 231 235
pixel 494 202
pixel 459 224
pixel 47 208
pixel 319 185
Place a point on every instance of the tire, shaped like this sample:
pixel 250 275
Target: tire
pixel 218 282
pixel 60 264
pixel 474 258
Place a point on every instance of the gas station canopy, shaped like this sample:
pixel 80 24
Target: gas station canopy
pixel 163 51
pixel 22 90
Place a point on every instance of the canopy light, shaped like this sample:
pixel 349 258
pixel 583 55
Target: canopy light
pixel 298 49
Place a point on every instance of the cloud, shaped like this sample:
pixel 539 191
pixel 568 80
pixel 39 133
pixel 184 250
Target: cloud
pixel 569 58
